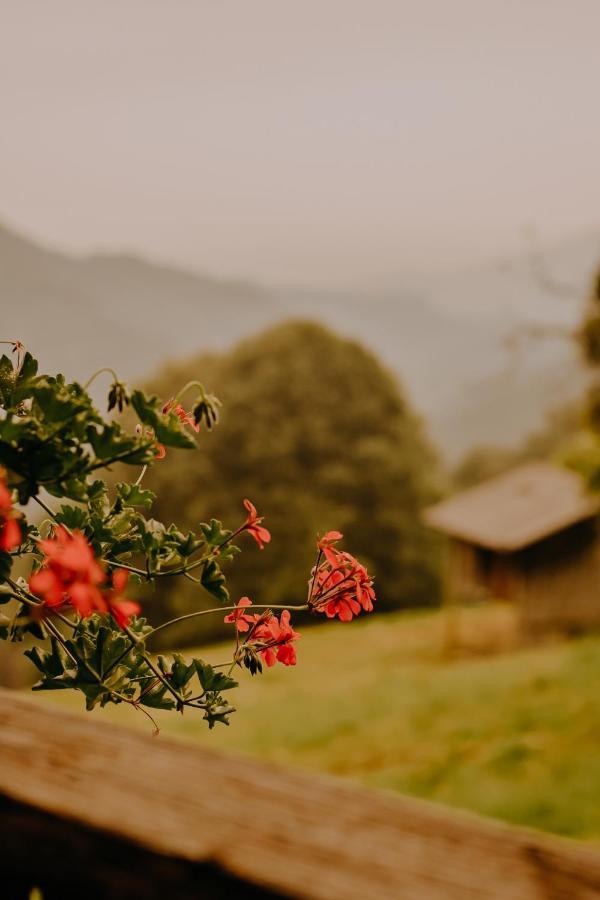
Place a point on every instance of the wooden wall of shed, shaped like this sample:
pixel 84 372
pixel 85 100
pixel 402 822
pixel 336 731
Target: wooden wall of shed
pixel 475 574
pixel 462 582
pixel 561 582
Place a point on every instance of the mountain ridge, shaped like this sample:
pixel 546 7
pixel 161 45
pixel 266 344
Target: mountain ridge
pixel 121 309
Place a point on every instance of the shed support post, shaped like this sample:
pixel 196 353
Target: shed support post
pixel 451 563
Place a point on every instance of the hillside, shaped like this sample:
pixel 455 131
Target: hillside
pixel 446 335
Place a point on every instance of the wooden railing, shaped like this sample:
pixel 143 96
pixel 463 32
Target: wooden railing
pixel 89 810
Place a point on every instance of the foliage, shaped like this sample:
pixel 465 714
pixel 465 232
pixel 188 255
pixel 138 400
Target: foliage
pixel 318 432
pixel 584 452
pixel 86 634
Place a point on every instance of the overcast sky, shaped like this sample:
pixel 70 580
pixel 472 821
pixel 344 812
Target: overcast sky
pixel 318 141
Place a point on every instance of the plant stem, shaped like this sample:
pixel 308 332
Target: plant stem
pixel 148 660
pixel 22 594
pixel 122 656
pixel 182 570
pixel 312 584
pixel 202 612
pixel 44 506
pixel 99 372
pixel 32 600
pixel 168 574
pixel 140 476
pixel 121 457
pixel 64 619
pixel 332 590
pixel 206 612
pixel 186 388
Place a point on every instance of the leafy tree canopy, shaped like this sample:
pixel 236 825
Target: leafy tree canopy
pixel 317 433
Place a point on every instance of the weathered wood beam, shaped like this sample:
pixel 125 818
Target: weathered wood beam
pixel 93 810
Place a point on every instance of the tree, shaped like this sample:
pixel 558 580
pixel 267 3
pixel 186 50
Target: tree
pixel 316 432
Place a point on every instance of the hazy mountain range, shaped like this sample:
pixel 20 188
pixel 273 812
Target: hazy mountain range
pixel 458 340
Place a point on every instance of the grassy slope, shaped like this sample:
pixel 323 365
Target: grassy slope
pixel 513 735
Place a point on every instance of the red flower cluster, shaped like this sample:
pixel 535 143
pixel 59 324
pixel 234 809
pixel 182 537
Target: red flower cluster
pixel 182 415
pixel 71 575
pixel 339 586
pixel 252 526
pixel 269 636
pixel 10 530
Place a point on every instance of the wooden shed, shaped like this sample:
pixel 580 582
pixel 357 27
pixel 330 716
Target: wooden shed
pixel 529 536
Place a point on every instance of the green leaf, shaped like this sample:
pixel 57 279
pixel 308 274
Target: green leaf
pixel 7 381
pixel 217 537
pixel 73 517
pixel 181 671
pixel 184 544
pixel 210 679
pixel 214 533
pixel 134 495
pixel 29 368
pixel 110 442
pixel 167 427
pixel 216 710
pixel 157 698
pixel 25 379
pixel 213 580
pixel 110 645
pixel 58 402
pixel 57 668
pixel 97 495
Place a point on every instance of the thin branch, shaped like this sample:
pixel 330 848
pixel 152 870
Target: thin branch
pixel 44 506
pixel 99 372
pixel 206 612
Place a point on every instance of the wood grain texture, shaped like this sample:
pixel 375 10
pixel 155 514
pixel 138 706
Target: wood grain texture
pixel 103 811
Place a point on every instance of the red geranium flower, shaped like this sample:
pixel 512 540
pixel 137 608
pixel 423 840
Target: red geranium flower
pixel 10 530
pixel 252 525
pixel 120 607
pixel 241 618
pixel 268 636
pixel 274 638
pixel 186 417
pixel 71 574
pixel 339 586
pixel 325 545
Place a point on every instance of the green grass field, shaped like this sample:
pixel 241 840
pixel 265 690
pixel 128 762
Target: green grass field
pixel 507 732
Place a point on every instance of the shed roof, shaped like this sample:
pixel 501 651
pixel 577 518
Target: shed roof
pixel 516 509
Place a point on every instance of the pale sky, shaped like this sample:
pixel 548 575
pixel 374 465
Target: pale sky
pixel 332 142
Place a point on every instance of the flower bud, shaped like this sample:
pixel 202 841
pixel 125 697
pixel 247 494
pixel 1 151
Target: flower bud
pixel 118 396
pixel 206 409
pixel 248 657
